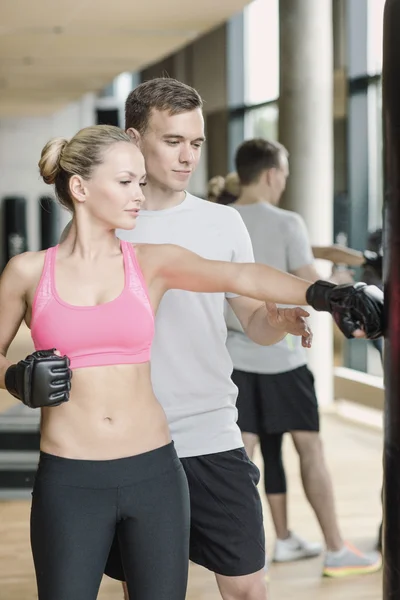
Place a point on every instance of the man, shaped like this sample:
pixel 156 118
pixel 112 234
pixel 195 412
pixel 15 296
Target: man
pixel 191 367
pixel 276 389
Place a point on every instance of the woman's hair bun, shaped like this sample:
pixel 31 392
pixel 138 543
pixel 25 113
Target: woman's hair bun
pixel 49 163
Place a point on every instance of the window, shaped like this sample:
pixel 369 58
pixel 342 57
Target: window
pixel 261 50
pixel 375 156
pixel 262 122
pixel 375 36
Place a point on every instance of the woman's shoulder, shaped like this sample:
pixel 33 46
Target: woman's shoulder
pixel 26 265
pixel 149 251
pixel 154 257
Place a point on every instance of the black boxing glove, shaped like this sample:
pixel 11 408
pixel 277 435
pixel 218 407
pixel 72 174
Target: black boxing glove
pixel 358 306
pixel 42 379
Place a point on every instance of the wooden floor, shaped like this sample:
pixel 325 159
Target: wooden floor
pixel 354 456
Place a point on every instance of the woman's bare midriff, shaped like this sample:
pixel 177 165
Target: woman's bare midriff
pixel 112 413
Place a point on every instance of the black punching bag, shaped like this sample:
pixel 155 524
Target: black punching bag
pixel 49 222
pixel 14 226
pixel 391 130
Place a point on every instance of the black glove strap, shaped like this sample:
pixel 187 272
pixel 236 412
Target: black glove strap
pixel 317 295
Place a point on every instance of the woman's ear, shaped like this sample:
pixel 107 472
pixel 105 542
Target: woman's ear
pixel 77 188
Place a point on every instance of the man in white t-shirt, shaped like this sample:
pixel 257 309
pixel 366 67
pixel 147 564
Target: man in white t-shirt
pixel 190 364
pixel 276 388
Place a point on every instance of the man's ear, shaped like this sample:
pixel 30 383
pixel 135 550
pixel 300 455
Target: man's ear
pixel 268 175
pixel 134 135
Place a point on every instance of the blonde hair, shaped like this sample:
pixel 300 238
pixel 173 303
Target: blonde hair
pixel 60 158
pixel 215 187
pixel 232 184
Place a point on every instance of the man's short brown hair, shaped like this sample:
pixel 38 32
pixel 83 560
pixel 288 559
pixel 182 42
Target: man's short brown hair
pixel 162 94
pixel 255 156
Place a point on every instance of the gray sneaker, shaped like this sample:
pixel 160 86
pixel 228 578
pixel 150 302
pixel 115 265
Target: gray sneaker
pixel 295 548
pixel 351 562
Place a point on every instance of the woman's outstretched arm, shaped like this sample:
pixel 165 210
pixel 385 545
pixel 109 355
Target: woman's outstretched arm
pixel 182 269
pixel 357 309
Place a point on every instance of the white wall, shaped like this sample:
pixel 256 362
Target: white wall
pixel 21 142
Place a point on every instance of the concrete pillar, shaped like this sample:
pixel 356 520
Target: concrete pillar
pixel 306 129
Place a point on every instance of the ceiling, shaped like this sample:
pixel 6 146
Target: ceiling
pixel 53 51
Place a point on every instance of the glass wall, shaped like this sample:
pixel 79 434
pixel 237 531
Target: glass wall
pixel 358 33
pixel 261 51
pixel 253 109
pixel 262 122
pixel 364 28
pixel 375 36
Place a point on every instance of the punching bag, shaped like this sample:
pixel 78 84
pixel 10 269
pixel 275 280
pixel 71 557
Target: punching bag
pixel 49 222
pixel 391 131
pixel 14 226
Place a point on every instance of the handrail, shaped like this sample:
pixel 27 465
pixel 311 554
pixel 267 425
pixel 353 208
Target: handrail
pixel 358 387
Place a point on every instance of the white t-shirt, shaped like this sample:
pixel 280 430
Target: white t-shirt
pixel 279 239
pixel 190 364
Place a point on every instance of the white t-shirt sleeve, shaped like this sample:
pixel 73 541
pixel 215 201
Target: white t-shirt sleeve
pixel 299 251
pixel 242 248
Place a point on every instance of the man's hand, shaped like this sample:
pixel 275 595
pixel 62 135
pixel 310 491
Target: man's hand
pixel 290 320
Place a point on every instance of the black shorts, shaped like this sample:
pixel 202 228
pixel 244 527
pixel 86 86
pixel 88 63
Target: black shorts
pixel 276 403
pixel 227 532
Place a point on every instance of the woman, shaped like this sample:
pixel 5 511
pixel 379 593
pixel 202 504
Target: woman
pixel 107 462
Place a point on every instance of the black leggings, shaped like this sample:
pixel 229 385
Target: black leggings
pixel 78 506
pixel 274 471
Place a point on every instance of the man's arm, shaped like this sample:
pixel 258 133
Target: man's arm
pixel 371 261
pixel 265 324
pixel 256 320
pixel 341 255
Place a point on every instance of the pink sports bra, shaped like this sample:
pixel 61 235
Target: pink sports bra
pixel 117 332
